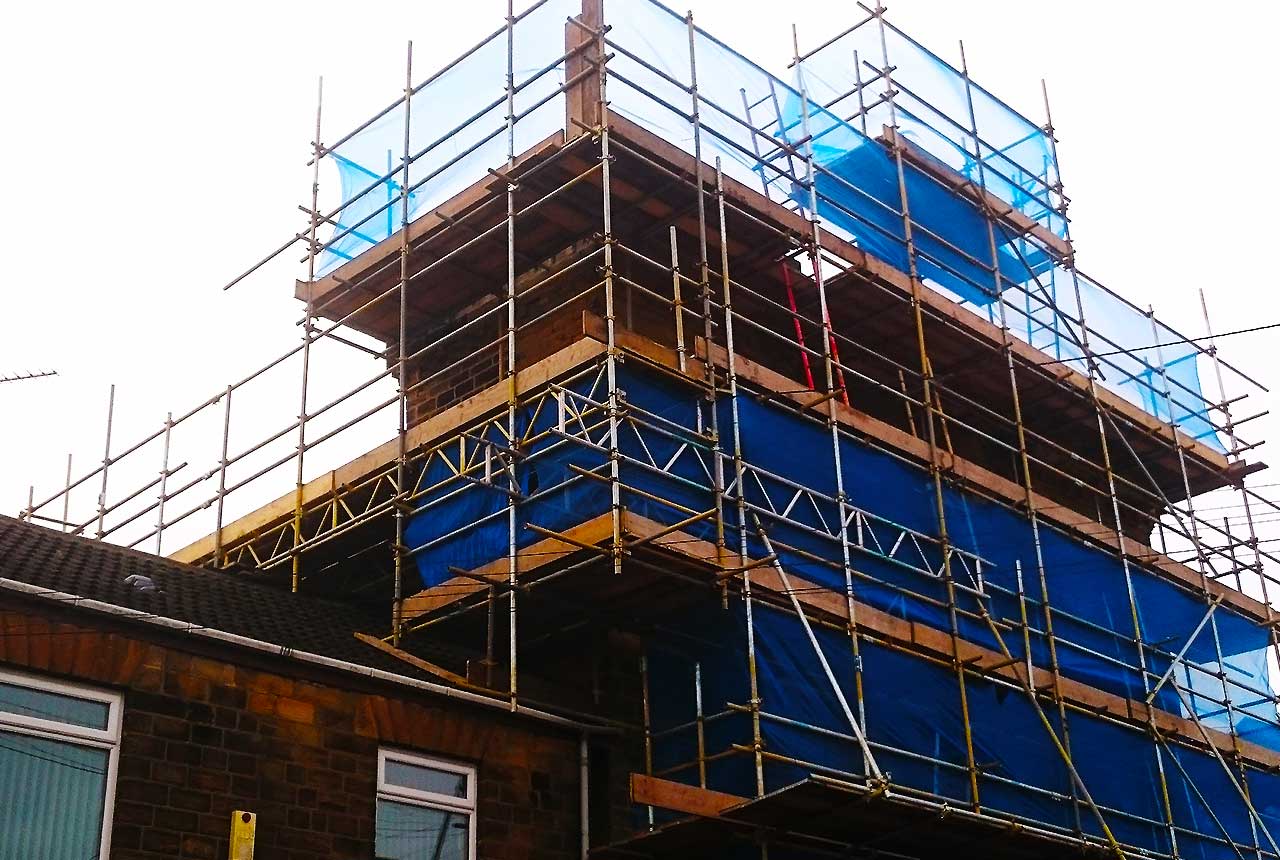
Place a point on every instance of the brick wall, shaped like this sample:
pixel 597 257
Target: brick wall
pixel 474 357
pixel 452 371
pixel 203 737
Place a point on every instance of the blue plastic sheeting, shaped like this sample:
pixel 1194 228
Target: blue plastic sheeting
pixel 736 95
pixel 719 645
pixel 465 525
pixel 1162 377
pixel 859 195
pixel 457 131
pixel 912 705
pixel 937 111
pixel 914 722
pixel 859 191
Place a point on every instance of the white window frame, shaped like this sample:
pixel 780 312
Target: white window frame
pixel 106 738
pixel 430 799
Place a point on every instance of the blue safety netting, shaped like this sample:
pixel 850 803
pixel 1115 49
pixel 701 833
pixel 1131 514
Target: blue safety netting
pixel 936 108
pixel 1223 669
pixel 914 722
pixel 457 131
pixel 761 128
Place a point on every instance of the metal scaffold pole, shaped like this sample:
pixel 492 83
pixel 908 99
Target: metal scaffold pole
pixel 710 421
pixel 164 481
pixel 400 558
pixel 829 360
pixel 317 151
pixel 1251 541
pixel 66 501
pixel 1202 567
pixel 930 403
pixel 1024 459
pixel 512 378
pixel 615 403
pixel 739 472
pixel 222 477
pixel 1120 535
pixel 106 461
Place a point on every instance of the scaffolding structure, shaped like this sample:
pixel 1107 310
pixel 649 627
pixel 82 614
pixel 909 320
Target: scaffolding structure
pixel 792 391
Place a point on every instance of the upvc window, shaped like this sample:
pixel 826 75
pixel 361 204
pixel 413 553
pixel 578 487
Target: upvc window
pixel 59 746
pixel 426 808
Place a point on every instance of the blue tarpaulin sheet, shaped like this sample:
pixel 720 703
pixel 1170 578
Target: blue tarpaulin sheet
pixel 912 704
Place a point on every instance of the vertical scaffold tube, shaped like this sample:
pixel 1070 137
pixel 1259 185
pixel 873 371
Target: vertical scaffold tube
pixel 1024 457
pixel 66 500
pixel 402 370
pixel 106 465
pixel 1104 443
pixel 513 439
pixel 831 368
pixel 930 405
pixel 222 477
pixel 611 358
pixel 164 482
pixel 1251 541
pixel 739 473
pixel 307 326
pixel 678 301
pixel 1203 568
pixel 710 421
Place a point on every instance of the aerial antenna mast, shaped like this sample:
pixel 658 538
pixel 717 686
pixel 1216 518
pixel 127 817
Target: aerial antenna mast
pixel 20 376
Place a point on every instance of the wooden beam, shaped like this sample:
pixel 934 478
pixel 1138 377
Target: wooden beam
pixel 540 554
pixel 432 221
pixel 678 797
pixel 419 663
pixel 582 99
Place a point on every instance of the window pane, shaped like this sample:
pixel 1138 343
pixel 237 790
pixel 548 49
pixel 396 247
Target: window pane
pixel 421 778
pixel 53 795
pixel 43 705
pixel 408 832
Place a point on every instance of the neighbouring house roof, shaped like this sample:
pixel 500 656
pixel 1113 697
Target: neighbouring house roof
pixel 90 576
pixel 221 601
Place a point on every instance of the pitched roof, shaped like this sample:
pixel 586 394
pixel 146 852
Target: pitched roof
pixel 231 603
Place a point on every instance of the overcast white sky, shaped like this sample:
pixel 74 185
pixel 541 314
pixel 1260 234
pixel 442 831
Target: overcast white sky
pixel 153 150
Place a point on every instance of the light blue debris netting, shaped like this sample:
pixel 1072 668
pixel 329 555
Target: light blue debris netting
pixel 933 107
pixel 858 189
pixel 457 131
pixel 755 123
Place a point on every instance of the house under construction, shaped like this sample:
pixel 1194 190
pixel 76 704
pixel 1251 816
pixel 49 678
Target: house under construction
pixel 765 424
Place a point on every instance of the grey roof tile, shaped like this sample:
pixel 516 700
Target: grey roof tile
pixel 229 602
